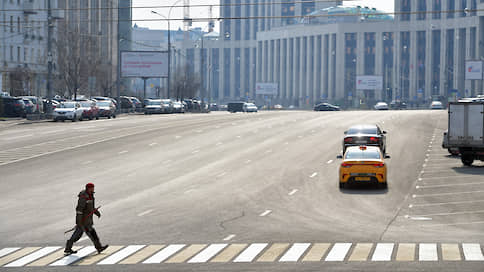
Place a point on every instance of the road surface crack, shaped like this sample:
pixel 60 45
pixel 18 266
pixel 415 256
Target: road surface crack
pixel 222 224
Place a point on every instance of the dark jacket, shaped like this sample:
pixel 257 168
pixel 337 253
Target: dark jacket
pixel 85 209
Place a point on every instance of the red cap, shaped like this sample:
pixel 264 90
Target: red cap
pixel 89 185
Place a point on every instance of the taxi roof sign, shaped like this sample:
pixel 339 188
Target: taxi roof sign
pixel 363 147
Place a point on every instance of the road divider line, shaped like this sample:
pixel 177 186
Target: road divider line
pixel 230 237
pixel 448 185
pixel 123 152
pixel 293 192
pixel 195 151
pixel 86 162
pixel 450 213
pixel 248 161
pixel 446 194
pixel 313 175
pixel 145 213
pixel 445 203
pixel 221 174
pixel 153 144
pixel 330 161
pixel 266 212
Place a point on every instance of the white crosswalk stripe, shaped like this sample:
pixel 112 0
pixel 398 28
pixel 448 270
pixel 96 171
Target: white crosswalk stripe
pixel 33 256
pixel 295 252
pixel 244 253
pixel 383 252
pixel 164 254
pixel 338 252
pixel 250 253
pixel 67 260
pixel 472 252
pixel 207 253
pixel 120 255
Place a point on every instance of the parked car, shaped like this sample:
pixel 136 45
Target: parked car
pixel 381 106
pixel 137 104
pixel 398 105
pixel 152 106
pixel 127 104
pixel 29 106
pixel 250 107
pixel 90 110
pixel 166 106
pixel 326 107
pixel 106 109
pixel 70 110
pixel 13 107
pixel 222 107
pixel 278 107
pixel 214 107
pixel 369 135
pixel 436 105
pixel 37 102
pixel 234 107
pixel 178 107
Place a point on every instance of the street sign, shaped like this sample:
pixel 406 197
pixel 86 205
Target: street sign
pixel 149 64
pixel 474 70
pixel 369 82
pixel 266 88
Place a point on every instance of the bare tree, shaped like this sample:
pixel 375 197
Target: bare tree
pixel 20 81
pixel 185 83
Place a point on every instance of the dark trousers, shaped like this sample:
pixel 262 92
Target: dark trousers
pixel 90 232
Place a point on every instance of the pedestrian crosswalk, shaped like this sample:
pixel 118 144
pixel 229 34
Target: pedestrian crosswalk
pixel 192 254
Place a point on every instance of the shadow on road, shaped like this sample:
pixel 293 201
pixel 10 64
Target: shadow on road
pixel 364 189
pixel 470 170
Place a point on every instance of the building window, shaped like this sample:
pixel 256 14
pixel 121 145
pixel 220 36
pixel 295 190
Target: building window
pixel 18 53
pixel 451 8
pixel 11 53
pixel 18 24
pixel 226 68
pixel 463 6
pixel 405 9
pixel 11 24
pixel 437 8
pixel 422 10
pixel 25 54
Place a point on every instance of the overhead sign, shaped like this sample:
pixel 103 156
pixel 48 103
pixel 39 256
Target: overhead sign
pixel 266 88
pixel 474 70
pixel 150 64
pixel 369 82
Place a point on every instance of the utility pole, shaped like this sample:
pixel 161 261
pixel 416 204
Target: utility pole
pixel 49 57
pixel 118 72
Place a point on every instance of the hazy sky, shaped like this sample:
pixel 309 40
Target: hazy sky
pixel 145 13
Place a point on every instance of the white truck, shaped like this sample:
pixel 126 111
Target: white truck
pixel 466 130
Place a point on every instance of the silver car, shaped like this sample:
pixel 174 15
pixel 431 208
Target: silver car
pixel 68 111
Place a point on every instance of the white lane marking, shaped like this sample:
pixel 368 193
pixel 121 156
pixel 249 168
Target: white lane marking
pixel 330 161
pixel 418 218
pixel 445 194
pixel 472 252
pixel 178 137
pixel 230 237
pixel 445 203
pixel 295 252
pixel 120 255
pixel 164 254
pixel 338 252
pixel 83 238
pixel 248 161
pixel 268 151
pixel 32 257
pixel 238 136
pixel 452 213
pixel 313 175
pixel 427 252
pixel 449 185
pixel 265 213
pixel 286 143
pixel 8 250
pixel 86 162
pixel 383 252
pixel 250 253
pixel 16 137
pixel 122 152
pixel 221 174
pixel 445 177
pixel 67 260
pixel 207 253
pixel 195 151
pixel 145 212
pixel 153 144
pixel 293 192
pixel 219 143
pixel 300 136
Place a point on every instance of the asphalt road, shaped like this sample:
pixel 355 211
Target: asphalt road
pixel 267 179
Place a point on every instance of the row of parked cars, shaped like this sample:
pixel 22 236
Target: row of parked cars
pixel 21 106
pixel 84 109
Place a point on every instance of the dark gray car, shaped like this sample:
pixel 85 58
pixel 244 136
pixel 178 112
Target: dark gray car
pixel 370 135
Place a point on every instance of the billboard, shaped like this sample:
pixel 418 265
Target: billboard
pixel 266 88
pixel 474 70
pixel 369 82
pixel 151 64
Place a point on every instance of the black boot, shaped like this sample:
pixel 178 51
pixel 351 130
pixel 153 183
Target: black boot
pixel 101 248
pixel 68 250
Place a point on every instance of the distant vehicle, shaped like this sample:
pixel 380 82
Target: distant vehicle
pixel 152 106
pixel 234 107
pixel 368 135
pixel 178 107
pixel 436 105
pixel 166 106
pixel 106 109
pixel 127 104
pixel 214 107
pixel 68 111
pixel 137 104
pixel 222 107
pixel 453 151
pixel 326 107
pixel 89 110
pixel 250 107
pixel 29 106
pixel 381 106
pixel 363 164
pixel 13 107
pixel 465 130
pixel 292 107
pixel 38 104
pixel 278 107
pixel 398 105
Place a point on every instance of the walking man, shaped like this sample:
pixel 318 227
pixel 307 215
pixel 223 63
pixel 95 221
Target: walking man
pixel 84 223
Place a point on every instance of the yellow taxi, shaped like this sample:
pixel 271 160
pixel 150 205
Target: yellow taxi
pixel 363 164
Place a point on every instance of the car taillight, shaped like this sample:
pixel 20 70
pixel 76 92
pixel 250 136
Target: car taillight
pixel 373 139
pixel 379 165
pixel 345 165
pixel 348 140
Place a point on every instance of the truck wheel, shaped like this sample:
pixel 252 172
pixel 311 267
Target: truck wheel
pixel 467 159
